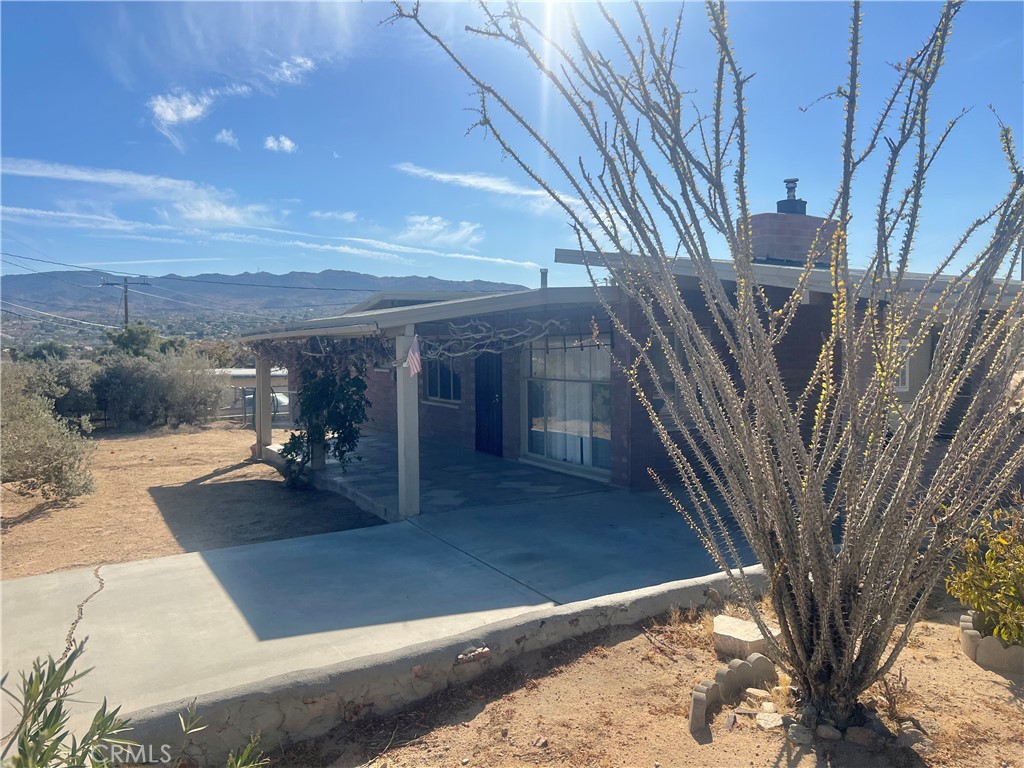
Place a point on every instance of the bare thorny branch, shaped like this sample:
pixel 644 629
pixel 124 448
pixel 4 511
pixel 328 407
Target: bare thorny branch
pixel 839 488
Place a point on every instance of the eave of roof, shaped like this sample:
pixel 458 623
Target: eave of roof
pixel 776 275
pixel 379 321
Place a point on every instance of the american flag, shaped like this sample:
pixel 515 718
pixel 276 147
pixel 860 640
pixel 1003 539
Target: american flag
pixel 413 362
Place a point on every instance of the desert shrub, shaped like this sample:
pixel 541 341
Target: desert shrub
pixel 166 389
pixel 39 450
pixel 990 580
pixel 136 339
pixel 130 390
pixel 191 390
pixel 66 382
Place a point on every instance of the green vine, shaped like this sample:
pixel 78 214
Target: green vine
pixel 332 405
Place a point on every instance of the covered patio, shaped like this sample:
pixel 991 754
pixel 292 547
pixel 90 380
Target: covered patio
pixel 397 474
pixel 451 478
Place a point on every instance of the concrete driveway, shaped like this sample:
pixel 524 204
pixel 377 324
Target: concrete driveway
pixel 181 626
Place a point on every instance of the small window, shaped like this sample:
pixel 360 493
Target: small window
pixel 903 377
pixel 443 382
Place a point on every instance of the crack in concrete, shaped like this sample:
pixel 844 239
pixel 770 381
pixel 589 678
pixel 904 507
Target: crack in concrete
pixel 69 640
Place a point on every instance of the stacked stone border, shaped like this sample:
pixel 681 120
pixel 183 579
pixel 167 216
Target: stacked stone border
pixel 989 652
pixel 291 708
pixel 730 685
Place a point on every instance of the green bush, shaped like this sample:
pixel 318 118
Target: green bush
pixel 990 581
pixel 39 450
pixel 173 388
pixel 130 391
pixel 68 383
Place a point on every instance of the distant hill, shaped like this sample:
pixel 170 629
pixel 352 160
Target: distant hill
pixel 207 305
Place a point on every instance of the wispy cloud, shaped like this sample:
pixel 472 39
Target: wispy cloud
pixel 384 245
pixel 538 200
pixel 196 204
pixel 146 261
pixel 293 70
pixel 279 144
pixel 346 216
pixel 440 233
pixel 180 107
pixel 227 137
pixel 77 220
pixel 370 253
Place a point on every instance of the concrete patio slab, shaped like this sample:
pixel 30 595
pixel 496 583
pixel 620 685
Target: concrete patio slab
pixel 177 627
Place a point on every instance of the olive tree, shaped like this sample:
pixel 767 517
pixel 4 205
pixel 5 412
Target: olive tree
pixel 839 488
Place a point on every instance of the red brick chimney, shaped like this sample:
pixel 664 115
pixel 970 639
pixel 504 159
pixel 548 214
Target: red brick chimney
pixel 786 237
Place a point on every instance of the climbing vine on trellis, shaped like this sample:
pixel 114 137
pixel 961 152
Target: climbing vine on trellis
pixel 332 398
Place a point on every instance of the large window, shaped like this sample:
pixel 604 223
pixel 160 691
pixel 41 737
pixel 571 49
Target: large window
pixel 443 381
pixel 568 402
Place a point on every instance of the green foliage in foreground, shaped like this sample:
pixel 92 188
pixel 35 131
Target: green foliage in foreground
pixel 991 579
pixel 40 451
pixel 332 406
pixel 41 738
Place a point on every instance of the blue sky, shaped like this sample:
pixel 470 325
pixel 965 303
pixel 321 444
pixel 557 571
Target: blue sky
pixel 199 137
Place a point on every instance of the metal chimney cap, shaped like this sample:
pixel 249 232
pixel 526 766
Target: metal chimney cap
pixel 790 188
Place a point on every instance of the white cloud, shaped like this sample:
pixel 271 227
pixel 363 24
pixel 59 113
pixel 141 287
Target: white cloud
pixel 236 237
pixel 146 261
pixel 180 107
pixel 346 216
pixel 227 137
pixel 539 200
pixel 279 144
pixel 395 247
pixel 76 219
pixel 439 232
pixel 293 70
pixel 209 212
pixel 197 204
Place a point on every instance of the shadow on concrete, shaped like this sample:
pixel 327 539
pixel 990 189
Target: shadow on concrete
pixel 214 511
pixel 392 575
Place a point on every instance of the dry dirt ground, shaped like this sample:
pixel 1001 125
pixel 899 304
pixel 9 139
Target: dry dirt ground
pixel 621 698
pixel 162 493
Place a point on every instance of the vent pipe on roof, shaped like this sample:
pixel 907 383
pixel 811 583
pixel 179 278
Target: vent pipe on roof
pixel 791 204
pixel 543 278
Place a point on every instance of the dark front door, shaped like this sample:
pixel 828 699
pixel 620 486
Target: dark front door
pixel 488 404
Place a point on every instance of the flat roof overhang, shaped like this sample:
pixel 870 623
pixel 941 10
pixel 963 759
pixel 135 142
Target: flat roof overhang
pixel 393 319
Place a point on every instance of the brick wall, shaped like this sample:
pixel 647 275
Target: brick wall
pixel 788 237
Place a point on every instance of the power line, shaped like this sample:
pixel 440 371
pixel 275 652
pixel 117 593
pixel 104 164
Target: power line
pixel 201 306
pixel 62 317
pixel 39 319
pixel 65 264
pixel 50 275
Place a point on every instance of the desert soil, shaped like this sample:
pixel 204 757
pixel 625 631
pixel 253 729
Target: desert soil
pixel 162 493
pixel 620 698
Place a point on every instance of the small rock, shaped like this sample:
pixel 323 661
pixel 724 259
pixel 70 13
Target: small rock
pixel 768 720
pixel 504 733
pixel 799 734
pixel 758 694
pixel 730 721
pixel 767 706
pixel 465 761
pixel 909 736
pixel 866 737
pixel 924 747
pixel 541 743
pixel 809 717
pixel 828 733
pixel 929 726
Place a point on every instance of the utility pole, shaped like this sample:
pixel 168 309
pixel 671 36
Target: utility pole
pixel 125 285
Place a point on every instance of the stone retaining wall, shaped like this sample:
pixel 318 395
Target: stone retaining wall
pixel 303 705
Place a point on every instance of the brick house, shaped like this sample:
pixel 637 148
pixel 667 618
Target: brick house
pixel 558 400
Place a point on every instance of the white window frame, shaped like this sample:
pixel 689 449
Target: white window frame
pixel 903 379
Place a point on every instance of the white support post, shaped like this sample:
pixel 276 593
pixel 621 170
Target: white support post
pixel 261 406
pixel 408 429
